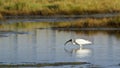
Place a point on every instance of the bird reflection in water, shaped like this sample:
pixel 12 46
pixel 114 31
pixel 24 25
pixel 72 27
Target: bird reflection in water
pixel 77 51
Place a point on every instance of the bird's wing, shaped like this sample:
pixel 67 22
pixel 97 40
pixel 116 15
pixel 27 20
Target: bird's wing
pixel 82 41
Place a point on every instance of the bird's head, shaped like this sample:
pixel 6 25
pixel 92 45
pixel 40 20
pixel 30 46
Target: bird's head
pixel 68 41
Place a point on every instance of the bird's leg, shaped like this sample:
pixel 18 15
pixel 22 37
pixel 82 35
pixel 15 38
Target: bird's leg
pixel 80 46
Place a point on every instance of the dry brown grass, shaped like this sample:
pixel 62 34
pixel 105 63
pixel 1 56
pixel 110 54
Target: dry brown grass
pixel 1 16
pixel 53 7
pixel 92 22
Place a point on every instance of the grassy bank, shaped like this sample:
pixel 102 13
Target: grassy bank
pixel 58 7
pixel 80 23
pixel 91 23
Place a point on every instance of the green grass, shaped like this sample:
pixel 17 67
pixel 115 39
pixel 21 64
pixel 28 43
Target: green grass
pixel 58 7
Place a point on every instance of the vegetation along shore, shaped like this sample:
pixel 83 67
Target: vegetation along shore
pixel 113 22
pixel 58 7
pixel 65 7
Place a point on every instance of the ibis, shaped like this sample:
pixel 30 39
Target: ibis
pixel 79 42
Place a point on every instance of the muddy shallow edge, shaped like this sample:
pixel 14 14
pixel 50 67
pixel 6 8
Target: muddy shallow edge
pixel 42 64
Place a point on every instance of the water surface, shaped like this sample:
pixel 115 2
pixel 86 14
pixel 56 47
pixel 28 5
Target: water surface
pixel 22 46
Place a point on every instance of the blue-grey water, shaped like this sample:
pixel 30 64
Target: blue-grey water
pixel 47 46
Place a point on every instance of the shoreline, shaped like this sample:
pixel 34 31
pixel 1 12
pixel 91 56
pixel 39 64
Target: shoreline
pixel 42 64
pixel 89 29
pixel 95 15
pixel 66 22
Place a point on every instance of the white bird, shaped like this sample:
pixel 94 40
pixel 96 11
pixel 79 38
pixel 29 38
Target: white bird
pixel 78 42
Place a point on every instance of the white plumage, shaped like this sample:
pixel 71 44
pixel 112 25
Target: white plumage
pixel 82 41
pixel 79 42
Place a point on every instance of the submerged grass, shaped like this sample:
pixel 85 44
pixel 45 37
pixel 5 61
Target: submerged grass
pixel 57 7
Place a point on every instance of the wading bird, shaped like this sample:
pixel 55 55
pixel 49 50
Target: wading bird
pixel 78 42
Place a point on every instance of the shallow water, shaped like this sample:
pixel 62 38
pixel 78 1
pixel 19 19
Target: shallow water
pixel 47 46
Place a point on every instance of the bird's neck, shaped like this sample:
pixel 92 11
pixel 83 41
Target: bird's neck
pixel 73 43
